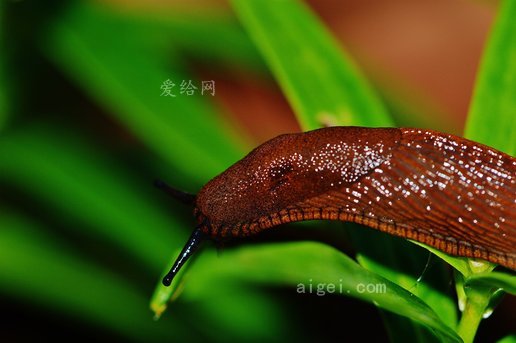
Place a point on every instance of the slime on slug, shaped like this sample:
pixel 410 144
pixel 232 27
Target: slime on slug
pixel 448 192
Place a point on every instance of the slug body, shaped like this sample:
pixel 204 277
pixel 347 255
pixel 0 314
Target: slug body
pixel 445 191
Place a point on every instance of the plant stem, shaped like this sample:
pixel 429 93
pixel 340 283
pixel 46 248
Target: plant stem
pixel 476 304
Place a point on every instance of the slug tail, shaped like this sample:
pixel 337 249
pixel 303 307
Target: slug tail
pixel 191 246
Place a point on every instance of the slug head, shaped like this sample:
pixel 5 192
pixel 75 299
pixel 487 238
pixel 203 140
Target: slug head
pixel 281 173
pixel 289 169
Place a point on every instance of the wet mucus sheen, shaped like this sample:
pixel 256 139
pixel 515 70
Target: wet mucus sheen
pixel 445 191
pixel 278 176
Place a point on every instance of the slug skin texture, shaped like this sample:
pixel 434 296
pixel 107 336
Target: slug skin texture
pixel 442 190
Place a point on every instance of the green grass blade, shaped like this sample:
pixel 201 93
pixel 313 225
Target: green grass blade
pixel 243 312
pixel 466 266
pixel 398 330
pixel 504 281
pixel 164 294
pixel 321 83
pixel 3 81
pixel 324 87
pixel 492 121
pixel 224 303
pixel 492 115
pixel 96 194
pixel 305 263
pixel 459 263
pixel 40 269
pixel 77 182
pixel 508 339
pixel 87 44
pixel 188 36
pixel 388 256
pixel 3 99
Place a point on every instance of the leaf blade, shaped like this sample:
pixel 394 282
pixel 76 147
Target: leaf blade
pixel 309 262
pixel 305 50
pixel 500 280
pixel 324 86
pixel 492 114
pixel 92 191
pixel 86 44
pixel 87 291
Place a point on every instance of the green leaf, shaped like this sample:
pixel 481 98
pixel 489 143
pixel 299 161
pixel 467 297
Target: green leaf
pixel 492 115
pixel 188 36
pixel 398 330
pixel 508 339
pixel 245 313
pixel 492 121
pixel 324 86
pixel 321 83
pixel 303 264
pixel 387 256
pixel 38 268
pixel 476 304
pixel 504 281
pixel 87 43
pixel 224 303
pixel 459 263
pixel 79 183
pixel 96 194
pixel 3 82
pixel 164 294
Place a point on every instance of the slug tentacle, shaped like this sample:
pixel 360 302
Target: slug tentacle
pixel 191 246
pixel 184 197
pixel 445 191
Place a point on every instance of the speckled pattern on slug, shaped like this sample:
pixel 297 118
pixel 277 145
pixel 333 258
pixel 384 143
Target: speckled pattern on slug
pixel 448 192
pixel 291 168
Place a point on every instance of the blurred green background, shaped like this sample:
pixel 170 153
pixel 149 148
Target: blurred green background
pixel 86 126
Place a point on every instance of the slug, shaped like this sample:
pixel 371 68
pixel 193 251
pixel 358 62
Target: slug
pixel 448 192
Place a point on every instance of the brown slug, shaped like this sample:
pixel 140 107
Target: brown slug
pixel 448 192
